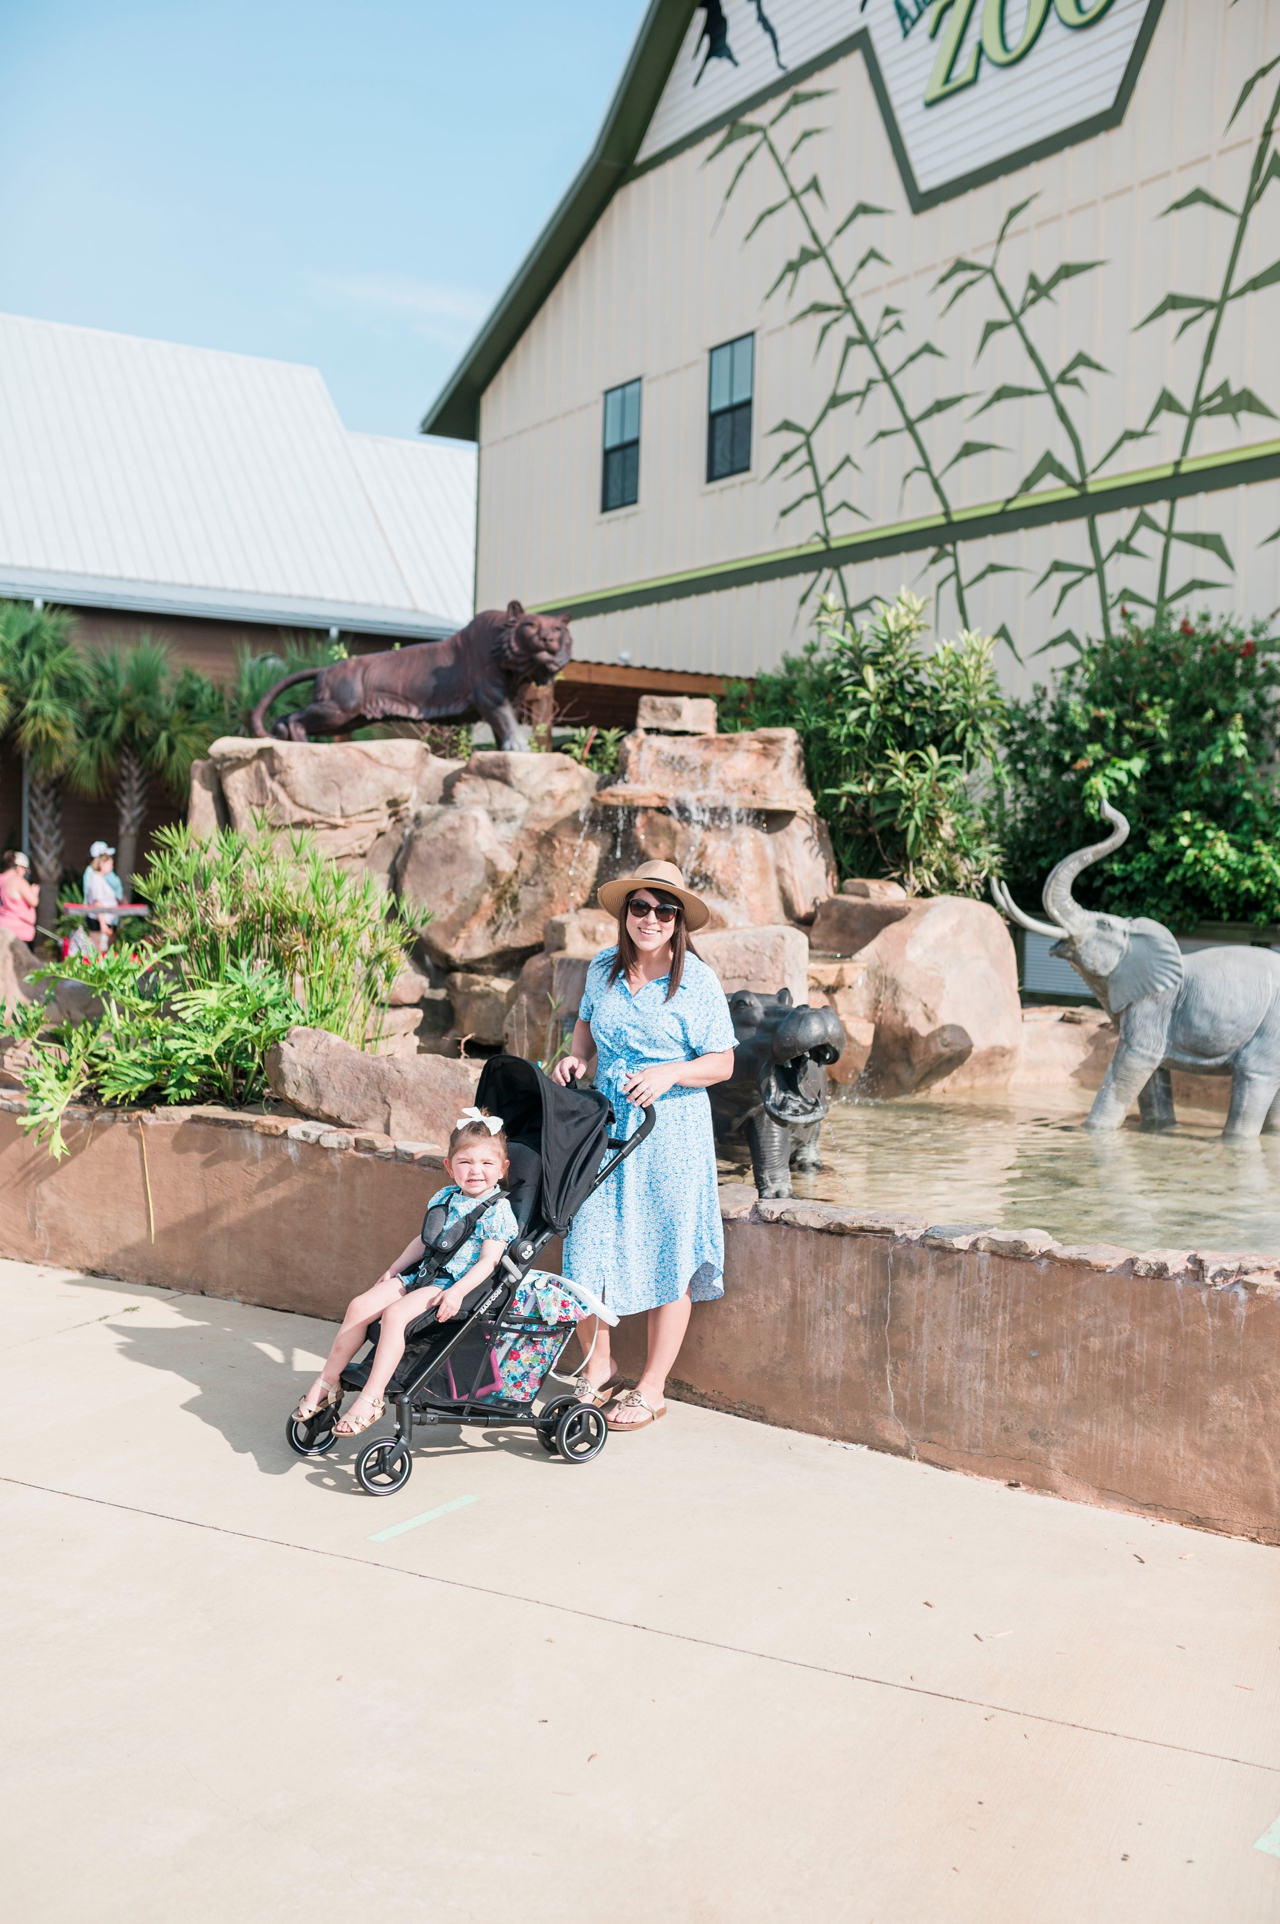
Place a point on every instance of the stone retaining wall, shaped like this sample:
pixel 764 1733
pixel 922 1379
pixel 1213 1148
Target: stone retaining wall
pixel 1147 1382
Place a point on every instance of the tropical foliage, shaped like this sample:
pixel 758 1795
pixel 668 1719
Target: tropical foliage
pixel 139 718
pixel 1177 727
pixel 248 940
pixel 900 746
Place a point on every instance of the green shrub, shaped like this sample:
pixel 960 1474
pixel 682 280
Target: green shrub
pixel 596 748
pixel 1177 727
pixel 246 941
pixel 899 746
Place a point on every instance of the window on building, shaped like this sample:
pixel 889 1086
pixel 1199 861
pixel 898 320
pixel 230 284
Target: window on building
pixel 621 483
pixel 729 419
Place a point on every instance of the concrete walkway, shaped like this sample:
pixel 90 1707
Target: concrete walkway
pixel 724 1673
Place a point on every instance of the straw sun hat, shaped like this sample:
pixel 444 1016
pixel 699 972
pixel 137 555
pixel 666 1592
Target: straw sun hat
pixel 663 877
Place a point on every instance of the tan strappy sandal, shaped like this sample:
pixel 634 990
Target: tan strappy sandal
pixel 633 1400
pixel 306 1409
pixel 358 1426
pixel 597 1393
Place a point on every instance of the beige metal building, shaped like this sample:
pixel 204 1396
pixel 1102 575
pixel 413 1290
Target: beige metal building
pixel 977 295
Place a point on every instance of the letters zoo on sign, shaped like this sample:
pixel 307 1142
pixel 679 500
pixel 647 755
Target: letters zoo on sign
pixel 968 88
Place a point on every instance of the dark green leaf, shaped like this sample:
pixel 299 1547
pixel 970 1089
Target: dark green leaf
pixel 760 220
pixel 1069 637
pixel 737 130
pixel 1067 376
pixel 799 99
pixel 1196 587
pixel 1166 403
pixel 1249 86
pixel 1002 634
pixel 995 568
pixel 1213 543
pixel 1199 197
pixel 1268 278
pixel 1038 290
pixel 1242 401
pixel 990 328
pixel 1007 393
pixel 973 447
pixel 863 207
pixel 941 406
pixel 1047 464
pixel 961 266
pixel 1129 434
pixel 1012 215
pixel 1175 303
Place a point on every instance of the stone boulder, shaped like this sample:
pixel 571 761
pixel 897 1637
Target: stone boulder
pixel 543 1005
pixel 845 924
pixel 584 932
pixel 873 889
pixel 677 714
pixel 396 1030
pixel 508 846
pixel 479 1007
pixel 409 1098
pixel 733 812
pixel 356 798
pixel 764 960
pixel 409 987
pixel 836 982
pixel 941 987
pixel 759 769
pixel 1063 1048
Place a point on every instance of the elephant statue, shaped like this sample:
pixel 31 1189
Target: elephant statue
pixel 778 1095
pixel 1204 1013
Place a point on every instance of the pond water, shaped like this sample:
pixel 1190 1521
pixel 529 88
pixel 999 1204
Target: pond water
pixel 1024 1162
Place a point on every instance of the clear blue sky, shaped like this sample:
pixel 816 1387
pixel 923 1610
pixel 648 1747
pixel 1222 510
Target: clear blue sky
pixel 344 184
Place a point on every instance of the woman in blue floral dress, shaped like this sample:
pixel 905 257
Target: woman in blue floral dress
pixel 657 1020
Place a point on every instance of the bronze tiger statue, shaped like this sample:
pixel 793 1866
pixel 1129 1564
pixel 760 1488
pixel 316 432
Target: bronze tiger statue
pixel 476 672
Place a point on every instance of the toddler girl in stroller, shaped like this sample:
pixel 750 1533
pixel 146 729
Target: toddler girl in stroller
pixel 485 1351
pixel 477 1161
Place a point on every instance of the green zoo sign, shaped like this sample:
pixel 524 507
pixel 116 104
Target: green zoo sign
pixel 950 19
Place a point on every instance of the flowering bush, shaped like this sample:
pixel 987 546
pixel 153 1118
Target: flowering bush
pixel 1177 727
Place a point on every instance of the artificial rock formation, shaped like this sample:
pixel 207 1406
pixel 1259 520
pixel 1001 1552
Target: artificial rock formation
pixel 733 812
pixel 409 1098
pixel 938 987
pixel 356 798
pixel 506 847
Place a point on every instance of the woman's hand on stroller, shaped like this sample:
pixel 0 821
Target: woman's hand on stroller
pixel 567 1068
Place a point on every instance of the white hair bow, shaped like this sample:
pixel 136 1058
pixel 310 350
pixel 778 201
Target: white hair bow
pixel 492 1123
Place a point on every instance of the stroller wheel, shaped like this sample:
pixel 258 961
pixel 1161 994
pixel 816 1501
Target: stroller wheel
pixel 581 1433
pixel 549 1421
pixel 313 1438
pixel 384 1467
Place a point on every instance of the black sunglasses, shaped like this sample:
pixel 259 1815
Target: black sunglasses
pixel 664 911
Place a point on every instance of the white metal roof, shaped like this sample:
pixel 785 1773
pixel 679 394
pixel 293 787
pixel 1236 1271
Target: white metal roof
pixel 183 480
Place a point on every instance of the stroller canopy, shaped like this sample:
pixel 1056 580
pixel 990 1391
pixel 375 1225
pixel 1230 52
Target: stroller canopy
pixel 567 1128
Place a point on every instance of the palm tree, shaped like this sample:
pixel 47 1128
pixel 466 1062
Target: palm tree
pixel 140 720
pixel 46 684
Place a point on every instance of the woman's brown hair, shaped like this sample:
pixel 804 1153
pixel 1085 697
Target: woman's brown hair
pixel 628 956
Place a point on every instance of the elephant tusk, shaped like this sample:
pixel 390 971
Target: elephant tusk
pixel 1007 906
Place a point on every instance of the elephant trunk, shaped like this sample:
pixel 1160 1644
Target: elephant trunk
pixel 1060 905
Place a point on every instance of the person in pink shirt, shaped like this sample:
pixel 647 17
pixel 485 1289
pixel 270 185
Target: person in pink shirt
pixel 18 898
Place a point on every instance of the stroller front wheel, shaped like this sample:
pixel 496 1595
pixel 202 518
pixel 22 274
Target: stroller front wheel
pixel 383 1467
pixel 581 1433
pixel 314 1438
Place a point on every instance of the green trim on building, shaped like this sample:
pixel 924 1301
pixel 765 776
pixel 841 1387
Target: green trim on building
pixel 611 164
pixel 1203 474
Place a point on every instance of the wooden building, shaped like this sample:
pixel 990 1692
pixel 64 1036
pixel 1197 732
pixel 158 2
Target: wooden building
pixel 971 296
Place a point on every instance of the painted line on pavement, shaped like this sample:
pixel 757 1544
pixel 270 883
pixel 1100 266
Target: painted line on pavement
pixel 624 1623
pixel 428 1516
pixel 1270 1840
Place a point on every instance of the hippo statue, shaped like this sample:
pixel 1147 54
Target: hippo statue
pixel 778 1096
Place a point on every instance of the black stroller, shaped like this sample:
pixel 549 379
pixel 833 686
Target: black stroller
pixel 448 1373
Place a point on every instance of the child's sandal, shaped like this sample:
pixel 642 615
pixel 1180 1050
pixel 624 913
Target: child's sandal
pixel 307 1410
pixel 356 1426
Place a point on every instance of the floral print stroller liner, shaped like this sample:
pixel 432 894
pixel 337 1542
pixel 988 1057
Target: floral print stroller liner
pixel 521 1360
